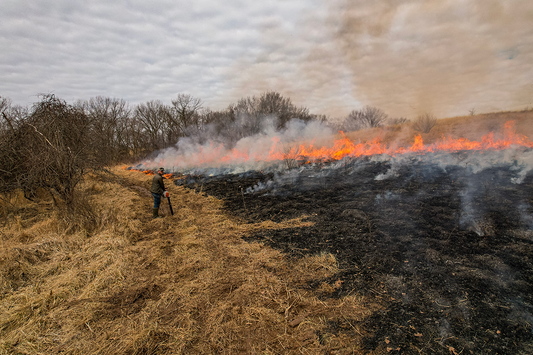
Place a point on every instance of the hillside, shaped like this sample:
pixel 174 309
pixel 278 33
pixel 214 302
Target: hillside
pixel 231 274
pixel 469 127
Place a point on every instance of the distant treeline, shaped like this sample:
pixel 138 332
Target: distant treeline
pixel 52 144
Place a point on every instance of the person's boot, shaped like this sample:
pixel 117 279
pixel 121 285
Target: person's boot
pixel 156 213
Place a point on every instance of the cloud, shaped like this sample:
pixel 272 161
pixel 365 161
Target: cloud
pixel 126 49
pixel 444 56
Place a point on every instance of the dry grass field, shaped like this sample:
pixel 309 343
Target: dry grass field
pixel 469 127
pixel 114 281
pixel 108 279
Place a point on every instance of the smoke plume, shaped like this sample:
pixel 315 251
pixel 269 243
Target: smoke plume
pixel 200 154
pixel 405 57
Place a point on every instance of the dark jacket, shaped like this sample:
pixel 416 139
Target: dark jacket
pixel 157 185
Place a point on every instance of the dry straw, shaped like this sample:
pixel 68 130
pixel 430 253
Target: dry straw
pixel 113 281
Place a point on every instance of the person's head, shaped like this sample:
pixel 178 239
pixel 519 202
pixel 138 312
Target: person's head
pixel 161 171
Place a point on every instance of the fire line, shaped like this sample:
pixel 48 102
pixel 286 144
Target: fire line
pixel 344 147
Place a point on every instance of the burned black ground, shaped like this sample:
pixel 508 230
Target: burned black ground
pixel 447 251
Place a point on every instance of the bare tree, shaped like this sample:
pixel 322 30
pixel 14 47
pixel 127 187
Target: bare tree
pixel 153 117
pixel 10 114
pixel 424 123
pixel 110 120
pixel 5 103
pixel 273 103
pixel 185 119
pixel 368 117
pixel 250 112
pixel 220 124
pixel 248 118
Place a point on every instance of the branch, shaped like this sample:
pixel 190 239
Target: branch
pixel 8 121
pixel 46 139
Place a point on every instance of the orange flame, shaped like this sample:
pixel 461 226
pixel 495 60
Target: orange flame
pixel 344 147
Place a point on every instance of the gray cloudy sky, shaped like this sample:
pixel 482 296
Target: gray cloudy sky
pixel 332 56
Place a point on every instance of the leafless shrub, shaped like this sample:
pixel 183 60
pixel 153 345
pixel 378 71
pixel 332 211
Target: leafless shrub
pixel 320 118
pixel 424 123
pixel 50 149
pixel 368 117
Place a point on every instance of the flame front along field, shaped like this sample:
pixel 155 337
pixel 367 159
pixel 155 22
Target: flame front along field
pixel 345 147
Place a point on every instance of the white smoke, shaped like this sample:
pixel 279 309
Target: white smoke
pixel 471 212
pixel 248 153
pixel 388 195
pixel 391 173
pixel 473 163
pixel 476 162
pixel 525 216
pixel 524 164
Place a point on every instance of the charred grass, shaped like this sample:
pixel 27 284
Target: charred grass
pixel 446 252
pixel 110 280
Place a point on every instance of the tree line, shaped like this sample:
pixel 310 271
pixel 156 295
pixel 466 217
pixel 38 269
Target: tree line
pixel 52 144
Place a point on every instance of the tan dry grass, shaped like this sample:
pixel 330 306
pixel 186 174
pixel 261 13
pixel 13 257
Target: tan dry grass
pixel 184 284
pixel 469 127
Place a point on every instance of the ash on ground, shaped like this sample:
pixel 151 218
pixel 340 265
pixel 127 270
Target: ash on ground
pixel 444 243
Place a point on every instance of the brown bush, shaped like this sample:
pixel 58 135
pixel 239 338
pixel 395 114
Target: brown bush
pixel 424 123
pixel 51 148
pixel 368 117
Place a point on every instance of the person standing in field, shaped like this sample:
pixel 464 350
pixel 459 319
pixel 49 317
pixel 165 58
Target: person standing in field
pixel 158 187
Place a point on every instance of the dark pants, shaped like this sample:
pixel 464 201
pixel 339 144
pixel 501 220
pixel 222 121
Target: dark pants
pixel 157 200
